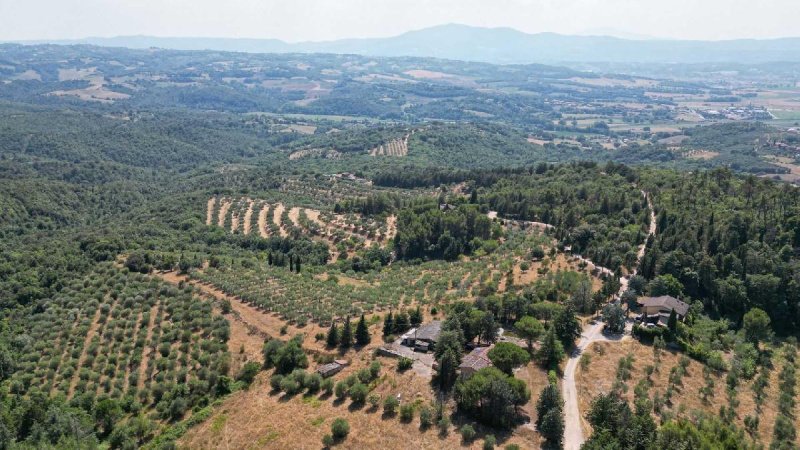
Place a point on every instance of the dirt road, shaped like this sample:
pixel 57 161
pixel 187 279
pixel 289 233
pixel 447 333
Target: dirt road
pixel 573 433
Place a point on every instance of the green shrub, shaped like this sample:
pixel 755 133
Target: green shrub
pixel 404 363
pixel 467 433
pixel 358 393
pixel 489 442
pixel 407 412
pixel 313 382
pixel 390 404
pixel 248 372
pixel 341 390
pixel 374 400
pixel 426 417
pixel 275 381
pixel 289 386
pixel 327 440
pixel 444 424
pixel 340 428
pixel 375 369
pixel 327 385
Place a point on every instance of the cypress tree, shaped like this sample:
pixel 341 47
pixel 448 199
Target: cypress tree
pixel 291 264
pixel 388 324
pixel 346 337
pixel 362 333
pixel 297 265
pixel 416 317
pixel 333 335
pixel 401 323
pixel 269 258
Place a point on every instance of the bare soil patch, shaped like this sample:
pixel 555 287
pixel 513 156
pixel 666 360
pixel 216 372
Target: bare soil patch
pixel 248 218
pixel 210 210
pixel 224 206
pixel 702 154
pixel 89 336
pixel 276 218
pixel 600 374
pixel 263 231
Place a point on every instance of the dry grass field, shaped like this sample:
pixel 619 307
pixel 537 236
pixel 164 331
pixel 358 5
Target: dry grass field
pixel 600 373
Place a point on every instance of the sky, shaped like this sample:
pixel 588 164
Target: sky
pixel 303 20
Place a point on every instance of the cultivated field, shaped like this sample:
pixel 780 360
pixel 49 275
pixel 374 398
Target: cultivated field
pixel 123 335
pixel 343 233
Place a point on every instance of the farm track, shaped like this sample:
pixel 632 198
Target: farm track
pixel 294 216
pixel 248 218
pixel 573 420
pixel 263 231
pixel 87 340
pixel 210 210
pixel 234 221
pixel 276 219
pixel 224 206
pixel 148 348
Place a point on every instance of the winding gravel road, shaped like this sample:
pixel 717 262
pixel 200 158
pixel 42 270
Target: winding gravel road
pixel 573 432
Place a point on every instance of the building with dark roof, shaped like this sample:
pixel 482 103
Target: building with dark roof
pixel 658 309
pixel 474 361
pixel 429 332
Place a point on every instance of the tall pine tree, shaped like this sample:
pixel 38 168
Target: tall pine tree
pixel 388 324
pixel 346 337
pixel 362 333
pixel 333 335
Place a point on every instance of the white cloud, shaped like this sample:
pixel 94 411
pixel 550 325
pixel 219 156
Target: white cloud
pixel 296 20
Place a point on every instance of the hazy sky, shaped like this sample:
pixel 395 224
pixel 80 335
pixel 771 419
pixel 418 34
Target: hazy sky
pixel 296 20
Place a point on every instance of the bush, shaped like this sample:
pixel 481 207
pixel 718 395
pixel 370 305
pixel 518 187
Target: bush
pixel 248 372
pixel 313 382
pixel 275 382
pixel 289 386
pixel 407 412
pixel 327 440
pixel 341 390
pixel 340 428
pixel 375 369
pixel 512 447
pixel 489 442
pixel 390 404
pixel 444 424
pixel 327 385
pixel 426 416
pixel 364 375
pixel 374 400
pixel 404 363
pixel 358 393
pixel 647 335
pixel 467 433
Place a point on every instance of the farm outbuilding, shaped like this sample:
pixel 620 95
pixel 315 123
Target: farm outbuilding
pixel 474 361
pixel 428 333
pixel 330 369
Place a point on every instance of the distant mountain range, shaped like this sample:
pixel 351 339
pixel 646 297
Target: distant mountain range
pixel 493 45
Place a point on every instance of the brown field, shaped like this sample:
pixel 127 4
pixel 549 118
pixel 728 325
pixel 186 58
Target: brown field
pixel 260 418
pixel 538 141
pixel 701 154
pixel 793 176
pixel 396 147
pixel 606 82
pixel 323 227
pixel 600 374
pixel 302 129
